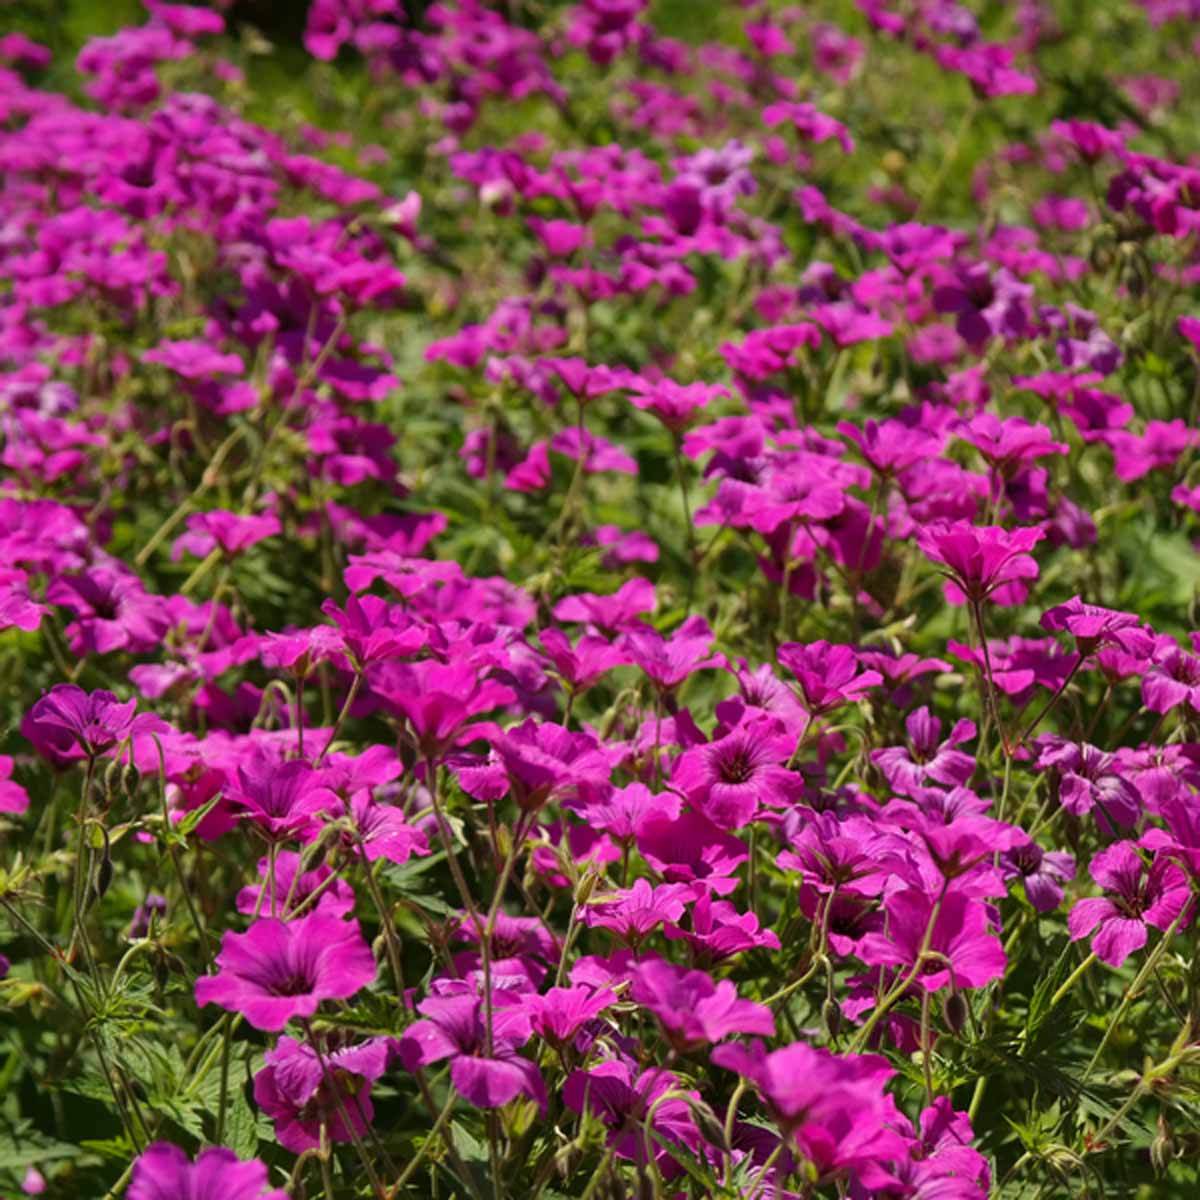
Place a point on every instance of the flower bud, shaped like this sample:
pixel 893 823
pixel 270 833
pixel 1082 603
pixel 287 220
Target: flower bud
pixel 104 875
pixel 831 1015
pixel 1162 1149
pixel 709 1124
pixel 954 1012
pixel 112 777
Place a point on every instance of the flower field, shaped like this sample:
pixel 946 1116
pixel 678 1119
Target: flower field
pixel 599 600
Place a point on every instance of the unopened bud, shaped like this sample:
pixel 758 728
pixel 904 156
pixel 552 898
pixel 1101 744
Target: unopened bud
pixel 954 1012
pixel 112 777
pixel 587 885
pixel 710 1125
pixel 567 1159
pixel 831 1014
pixel 104 875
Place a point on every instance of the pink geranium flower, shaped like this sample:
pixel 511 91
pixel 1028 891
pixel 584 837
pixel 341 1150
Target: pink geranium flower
pixel 829 676
pixel 67 723
pixel 969 955
pixel 112 610
pixel 694 1010
pixel 982 562
pixel 668 661
pixel 1095 628
pixel 453 1027
pixel 1139 895
pixel 163 1172
pixel 231 533
pixel 832 1107
pixel 927 760
pixel 279 971
pixel 622 1097
pixel 14 799
pixel 300 1093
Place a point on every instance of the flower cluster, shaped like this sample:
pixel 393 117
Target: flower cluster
pixel 614 617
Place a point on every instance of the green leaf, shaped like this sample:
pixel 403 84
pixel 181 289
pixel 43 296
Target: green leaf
pixel 241 1126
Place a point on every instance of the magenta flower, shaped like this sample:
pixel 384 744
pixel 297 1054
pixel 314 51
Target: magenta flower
pixel 689 848
pixel 298 651
pixel 538 762
pixel 716 931
pixel 832 1107
pixel 300 1094
pixel 562 1012
pixel 436 699
pixel 194 360
pixel 68 722
pixel 618 611
pixel 692 1009
pixel 982 562
pixel 668 661
pixel 453 1027
pixel 524 939
pixel 282 800
pixel 14 799
pixel 289 893
pixel 829 676
pixel 1172 678
pixel 968 954
pixel 17 606
pixel 729 779
pixel 1042 872
pixel 927 760
pixel 1090 779
pixel 622 1098
pixel 943 1163
pixel 674 404
pixel 1181 838
pixel 229 532
pixel 1139 896
pixel 163 1172
pixel 383 832
pixel 580 666
pixel 1095 628
pixel 370 630
pixel 113 611
pixel 279 971
pixel 846 854
pixel 890 447
pixel 639 910
pixel 1007 445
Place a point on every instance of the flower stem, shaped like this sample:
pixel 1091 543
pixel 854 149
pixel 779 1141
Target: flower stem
pixel 351 696
pixel 1135 987
pixel 977 614
pixel 1062 687
pixel 690 529
pixel 434 1134
pixel 889 1000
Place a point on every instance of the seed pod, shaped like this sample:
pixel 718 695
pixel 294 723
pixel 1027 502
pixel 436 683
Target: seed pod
pixel 954 1012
